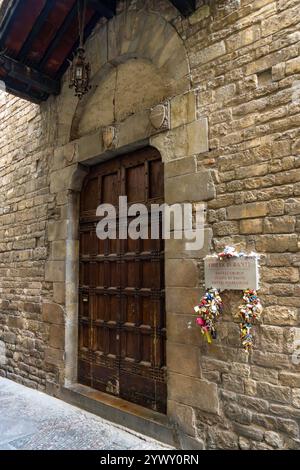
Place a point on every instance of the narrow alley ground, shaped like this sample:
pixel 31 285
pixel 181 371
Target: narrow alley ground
pixel 31 420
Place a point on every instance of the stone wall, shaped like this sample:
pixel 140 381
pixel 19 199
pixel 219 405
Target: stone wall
pixel 246 70
pixel 229 78
pixel 25 208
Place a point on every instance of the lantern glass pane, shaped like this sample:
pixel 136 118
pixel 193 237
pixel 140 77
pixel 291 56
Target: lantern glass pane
pixel 79 72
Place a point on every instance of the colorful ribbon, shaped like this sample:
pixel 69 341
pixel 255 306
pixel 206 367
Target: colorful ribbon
pixel 208 311
pixel 250 310
pixel 230 252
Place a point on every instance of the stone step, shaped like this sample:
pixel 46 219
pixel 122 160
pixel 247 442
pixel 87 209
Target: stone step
pixel 121 412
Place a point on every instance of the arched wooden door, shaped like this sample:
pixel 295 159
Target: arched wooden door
pixel 122 327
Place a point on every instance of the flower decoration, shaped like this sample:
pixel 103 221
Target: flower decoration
pixel 250 310
pixel 208 311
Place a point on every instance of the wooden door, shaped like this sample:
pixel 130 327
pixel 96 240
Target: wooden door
pixel 122 328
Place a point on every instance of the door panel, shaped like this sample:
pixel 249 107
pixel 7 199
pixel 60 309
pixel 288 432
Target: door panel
pixel 122 299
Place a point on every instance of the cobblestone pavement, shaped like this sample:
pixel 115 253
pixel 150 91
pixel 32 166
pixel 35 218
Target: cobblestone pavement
pixel 32 420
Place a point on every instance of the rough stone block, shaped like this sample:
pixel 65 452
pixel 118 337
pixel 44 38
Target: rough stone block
pixel 274 392
pixel 255 404
pixel 183 109
pixel 292 206
pixel 271 359
pixel 208 54
pixel 90 146
pixel 32 307
pixel 279 21
pixel 183 416
pixel 134 128
pixel 280 315
pixel 53 313
pixel 224 228
pixel 16 322
pixel 277 243
pixel 183 359
pixel 181 273
pixel 276 207
pixel 190 443
pixel 272 338
pixel 278 71
pixel 55 271
pixel 264 375
pixel 184 141
pixel 181 300
pixel 243 38
pixel 183 329
pixel 284 224
pixel 251 171
pixel 233 382
pixel 195 187
pixel 57 230
pixel 58 250
pixel 282 274
pixel 221 439
pixel 54 356
pixel 197 136
pixel 61 180
pixel 296 398
pixel 289 379
pixel 273 439
pixel 237 413
pixel 56 337
pixel 180 167
pixel 251 226
pixel 193 392
pixel 247 211
pixel 252 432
pixel 59 292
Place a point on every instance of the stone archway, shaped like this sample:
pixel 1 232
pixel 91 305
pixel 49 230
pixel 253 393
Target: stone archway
pixel 135 48
pixel 146 42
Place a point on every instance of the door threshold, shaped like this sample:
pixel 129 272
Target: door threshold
pixel 129 415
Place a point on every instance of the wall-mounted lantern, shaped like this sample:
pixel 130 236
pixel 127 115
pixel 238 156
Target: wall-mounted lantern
pixel 80 69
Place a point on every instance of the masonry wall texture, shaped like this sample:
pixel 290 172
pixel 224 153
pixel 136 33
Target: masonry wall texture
pixel 230 74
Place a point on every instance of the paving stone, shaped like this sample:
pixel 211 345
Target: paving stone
pixel 32 420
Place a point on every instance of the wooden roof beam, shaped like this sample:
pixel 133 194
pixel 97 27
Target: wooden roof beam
pixel 186 7
pixel 7 21
pixel 24 91
pixel 59 35
pixel 37 27
pixel 29 76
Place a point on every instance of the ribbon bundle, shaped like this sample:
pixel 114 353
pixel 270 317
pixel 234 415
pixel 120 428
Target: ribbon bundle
pixel 229 252
pixel 211 307
pixel 208 311
pixel 249 311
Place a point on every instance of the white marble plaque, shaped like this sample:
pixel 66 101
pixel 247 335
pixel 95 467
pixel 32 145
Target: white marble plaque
pixel 232 274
